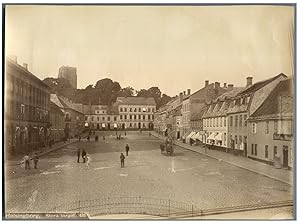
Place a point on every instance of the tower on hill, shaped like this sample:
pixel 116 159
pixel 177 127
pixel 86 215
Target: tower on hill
pixel 69 73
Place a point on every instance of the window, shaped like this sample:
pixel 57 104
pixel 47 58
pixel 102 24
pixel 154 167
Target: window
pixel 139 117
pixel 241 120
pixel 92 118
pixel 217 122
pixel 267 127
pixel 275 151
pixel 130 109
pixel 245 120
pixel 254 128
pixel 149 117
pixel 221 121
pixel 125 116
pixel 252 149
pixel 275 127
pixel 98 118
pixel 255 150
pixel 214 122
pixel 22 108
pixel 115 118
pixel 103 118
pixel 125 109
pixel 121 117
pixel 134 117
pixel 143 117
pixel 130 116
pixel 152 117
pixel 139 109
pixel 266 151
pixel 240 140
pixel 86 117
pixel 224 121
pixel 121 109
pixel 236 120
pixel 225 139
pixel 231 121
pixel 108 118
pixel 130 125
pixel 134 109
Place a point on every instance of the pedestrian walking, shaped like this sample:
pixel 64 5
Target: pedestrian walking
pixel 35 160
pixel 83 155
pixel 78 155
pixel 127 149
pixel 122 158
pixel 88 160
pixel 27 161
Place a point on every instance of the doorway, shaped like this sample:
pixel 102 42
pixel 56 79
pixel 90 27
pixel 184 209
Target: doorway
pixel 139 125
pixel 285 153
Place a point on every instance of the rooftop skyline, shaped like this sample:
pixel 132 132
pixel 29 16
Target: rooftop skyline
pixel 173 47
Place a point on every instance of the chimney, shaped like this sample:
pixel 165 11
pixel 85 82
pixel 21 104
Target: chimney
pixel 206 83
pixel 249 81
pixel 225 85
pixel 25 65
pixel 183 92
pixel 217 85
pixel 189 92
pixel 181 97
pixel 230 86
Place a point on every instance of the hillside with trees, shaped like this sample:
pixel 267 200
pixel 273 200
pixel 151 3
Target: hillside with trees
pixel 105 91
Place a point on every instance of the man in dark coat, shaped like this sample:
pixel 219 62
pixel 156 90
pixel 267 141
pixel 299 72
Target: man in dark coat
pixel 83 154
pixel 122 158
pixel 127 149
pixel 78 155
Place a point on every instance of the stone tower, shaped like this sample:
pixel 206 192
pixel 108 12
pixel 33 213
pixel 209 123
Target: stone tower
pixel 69 73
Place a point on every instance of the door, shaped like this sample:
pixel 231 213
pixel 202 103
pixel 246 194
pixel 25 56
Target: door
pixel 108 126
pixel 285 153
pixel 98 126
pixel 139 125
pixel 123 126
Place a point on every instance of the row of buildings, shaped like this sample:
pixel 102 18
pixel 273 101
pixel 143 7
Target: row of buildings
pixel 34 116
pixel 255 121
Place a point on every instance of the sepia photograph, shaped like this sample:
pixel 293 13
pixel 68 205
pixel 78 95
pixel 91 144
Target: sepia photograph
pixel 149 112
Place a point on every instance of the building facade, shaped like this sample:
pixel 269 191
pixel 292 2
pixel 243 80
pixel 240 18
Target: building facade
pixel 136 112
pixel 271 127
pixel 27 101
pixel 57 123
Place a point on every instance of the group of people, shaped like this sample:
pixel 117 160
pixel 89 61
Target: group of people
pixel 122 157
pixel 85 157
pixel 27 159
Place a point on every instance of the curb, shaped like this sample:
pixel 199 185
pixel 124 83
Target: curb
pixel 44 153
pixel 254 171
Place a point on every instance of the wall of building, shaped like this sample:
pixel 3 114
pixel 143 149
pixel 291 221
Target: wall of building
pixel 57 122
pixel 216 125
pixel 137 116
pixel 27 101
pixel 265 137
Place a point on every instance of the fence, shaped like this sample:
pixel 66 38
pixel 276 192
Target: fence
pixel 127 205
pixel 156 207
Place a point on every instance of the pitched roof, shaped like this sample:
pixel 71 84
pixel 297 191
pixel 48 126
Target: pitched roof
pixel 55 100
pixel 198 115
pixel 134 100
pixel 279 102
pixel 231 93
pixel 259 85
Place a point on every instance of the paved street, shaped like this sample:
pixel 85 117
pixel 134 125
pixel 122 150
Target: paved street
pixel 187 177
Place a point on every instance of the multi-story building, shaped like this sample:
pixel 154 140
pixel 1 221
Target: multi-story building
pixel 160 117
pixel 243 105
pixel 215 121
pixel 101 117
pixel 74 116
pixel 57 122
pixel 136 112
pixel 69 73
pixel 27 101
pixel 270 129
pixel 196 103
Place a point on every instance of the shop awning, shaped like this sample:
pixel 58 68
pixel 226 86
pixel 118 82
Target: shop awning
pixel 103 125
pixel 86 124
pixel 191 134
pixel 115 125
pixel 165 129
pixel 219 137
pixel 196 136
pixel 212 136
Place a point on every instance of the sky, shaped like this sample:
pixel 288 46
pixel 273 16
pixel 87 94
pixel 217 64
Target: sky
pixel 173 47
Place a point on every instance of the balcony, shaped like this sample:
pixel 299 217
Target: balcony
pixel 283 137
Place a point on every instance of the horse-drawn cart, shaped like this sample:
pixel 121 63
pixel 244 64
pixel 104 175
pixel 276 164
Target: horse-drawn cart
pixel 167 147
